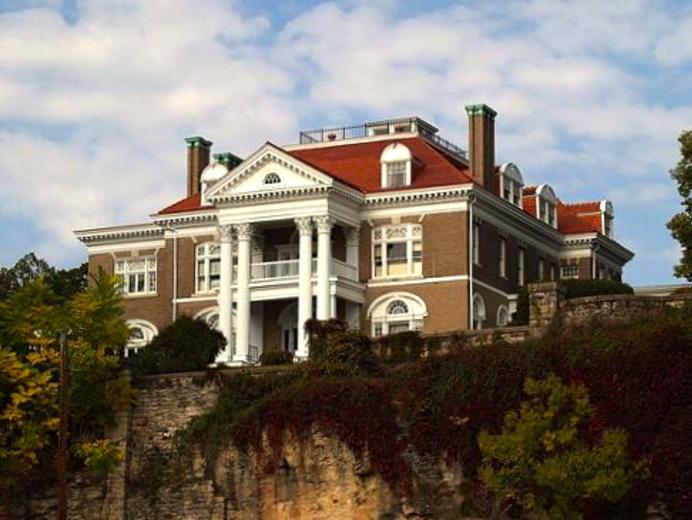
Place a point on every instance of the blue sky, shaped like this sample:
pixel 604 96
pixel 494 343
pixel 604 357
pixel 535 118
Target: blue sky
pixel 97 96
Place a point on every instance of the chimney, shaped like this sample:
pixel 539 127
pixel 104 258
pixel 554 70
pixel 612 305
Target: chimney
pixel 482 143
pixel 228 159
pixel 198 149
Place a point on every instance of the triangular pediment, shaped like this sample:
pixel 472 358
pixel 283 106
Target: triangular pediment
pixel 268 169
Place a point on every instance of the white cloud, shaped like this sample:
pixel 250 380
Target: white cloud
pixel 106 101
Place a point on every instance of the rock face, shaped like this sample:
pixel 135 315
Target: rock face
pixel 316 477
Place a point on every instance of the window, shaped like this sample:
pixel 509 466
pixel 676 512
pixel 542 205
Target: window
pixel 396 174
pixel 141 334
pixel 272 178
pixel 475 243
pixel 395 163
pixel 394 313
pixel 502 316
pixel 503 258
pixel 478 312
pixel 546 204
pixel 511 183
pixel 520 267
pixel 208 270
pixel 569 271
pixel 541 269
pixel 137 275
pixel 397 251
pixel 552 272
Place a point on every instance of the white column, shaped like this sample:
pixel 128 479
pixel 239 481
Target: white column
pixel 324 260
pixel 304 226
pixel 225 298
pixel 352 243
pixel 242 336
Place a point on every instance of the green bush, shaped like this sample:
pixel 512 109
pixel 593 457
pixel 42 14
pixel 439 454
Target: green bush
pixel 337 351
pixel 581 288
pixel 399 348
pixel 523 312
pixel 275 357
pixel 186 344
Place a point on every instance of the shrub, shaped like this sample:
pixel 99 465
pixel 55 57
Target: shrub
pixel 336 351
pixel 399 348
pixel 580 288
pixel 186 344
pixel 541 463
pixel 275 357
pixel 523 312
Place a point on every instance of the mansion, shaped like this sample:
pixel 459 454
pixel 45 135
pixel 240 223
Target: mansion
pixel 386 226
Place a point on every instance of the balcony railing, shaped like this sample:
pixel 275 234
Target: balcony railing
pixel 281 269
pixel 391 126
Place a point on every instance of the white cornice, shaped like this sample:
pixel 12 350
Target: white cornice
pixel 132 232
pixel 189 218
pixel 453 191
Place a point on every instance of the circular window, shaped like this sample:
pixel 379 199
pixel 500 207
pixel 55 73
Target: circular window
pixel 272 178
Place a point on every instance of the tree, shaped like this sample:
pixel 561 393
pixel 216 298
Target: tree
pixel 541 464
pixel 681 224
pixel 65 283
pixel 30 320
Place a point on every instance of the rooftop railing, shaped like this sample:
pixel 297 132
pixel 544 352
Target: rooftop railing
pixel 387 127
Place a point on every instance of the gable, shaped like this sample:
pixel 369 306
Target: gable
pixel 269 168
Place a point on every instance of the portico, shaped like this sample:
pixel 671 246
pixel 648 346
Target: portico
pixel 321 277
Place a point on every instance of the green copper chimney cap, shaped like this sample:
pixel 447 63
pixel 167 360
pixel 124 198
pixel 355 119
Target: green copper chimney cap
pixel 480 109
pixel 198 142
pixel 227 158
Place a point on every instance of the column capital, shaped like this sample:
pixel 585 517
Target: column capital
pixel 324 223
pixel 225 232
pixel 304 225
pixel 244 231
pixel 352 234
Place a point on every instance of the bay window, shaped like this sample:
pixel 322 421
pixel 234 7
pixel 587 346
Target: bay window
pixel 397 251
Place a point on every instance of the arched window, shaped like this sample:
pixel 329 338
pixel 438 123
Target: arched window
pixel 141 334
pixel 546 205
pixel 208 267
pixel 502 316
pixel 511 184
pixel 397 312
pixel 395 162
pixel 272 178
pixel 397 307
pixel 478 312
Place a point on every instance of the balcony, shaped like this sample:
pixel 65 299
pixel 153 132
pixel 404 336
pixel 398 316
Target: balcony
pixel 287 269
pixel 386 127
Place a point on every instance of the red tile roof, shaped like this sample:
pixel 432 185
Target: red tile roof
pixel 191 203
pixel 572 220
pixel 358 164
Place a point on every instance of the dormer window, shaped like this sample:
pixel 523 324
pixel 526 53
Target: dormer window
pixel 396 161
pixel 272 178
pixel 546 205
pixel 511 184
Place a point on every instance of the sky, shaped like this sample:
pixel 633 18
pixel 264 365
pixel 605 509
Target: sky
pixel 97 96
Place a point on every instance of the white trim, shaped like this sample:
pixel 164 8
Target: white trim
pixel 497 316
pixel 196 299
pixel 346 142
pixel 476 281
pixel 118 247
pixel 419 281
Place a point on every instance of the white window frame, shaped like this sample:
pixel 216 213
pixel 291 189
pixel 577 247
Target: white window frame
pixel 498 320
pixel 124 270
pixel 207 258
pixel 512 181
pixel 149 332
pixel 541 269
pixel 503 257
pixel 572 274
pixel 382 318
pixel 271 179
pixel 521 267
pixel 395 154
pixel 478 311
pixel 393 234
pixel 476 243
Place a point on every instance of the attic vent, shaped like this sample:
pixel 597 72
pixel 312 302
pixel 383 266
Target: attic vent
pixel 272 178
